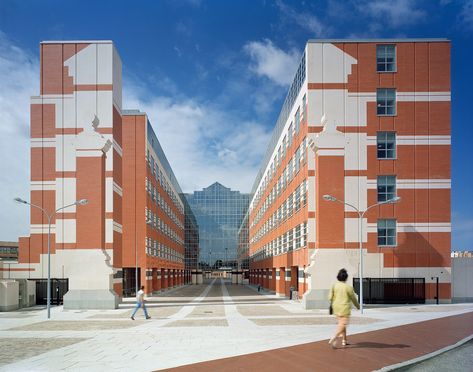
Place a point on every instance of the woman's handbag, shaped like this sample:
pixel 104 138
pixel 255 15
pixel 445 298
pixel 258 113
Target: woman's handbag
pixel 330 309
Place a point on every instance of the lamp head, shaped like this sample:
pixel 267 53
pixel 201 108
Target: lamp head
pixel 329 197
pixel 394 200
pixel 20 200
pixel 82 202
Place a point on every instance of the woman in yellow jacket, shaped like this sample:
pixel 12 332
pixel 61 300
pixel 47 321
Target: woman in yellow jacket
pixel 341 296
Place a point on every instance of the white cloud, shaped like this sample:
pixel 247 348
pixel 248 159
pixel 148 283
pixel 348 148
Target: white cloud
pixel 466 14
pixel 272 62
pixel 203 143
pixel 395 13
pixel 305 20
pixel 20 80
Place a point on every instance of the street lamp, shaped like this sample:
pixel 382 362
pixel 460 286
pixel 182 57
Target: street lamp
pixel 361 214
pixel 50 217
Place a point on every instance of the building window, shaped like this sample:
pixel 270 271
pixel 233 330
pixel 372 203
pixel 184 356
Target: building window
pixel 386 145
pixel 386 101
pixel 304 110
pixel 386 233
pixel 386 188
pixel 386 58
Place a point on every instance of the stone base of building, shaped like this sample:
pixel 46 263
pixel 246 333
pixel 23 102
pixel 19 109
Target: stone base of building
pixel 8 308
pixel 315 299
pixel 90 299
pixel 442 301
pixel 457 300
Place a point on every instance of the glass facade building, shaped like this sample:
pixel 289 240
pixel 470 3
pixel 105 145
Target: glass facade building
pixel 191 237
pixel 219 212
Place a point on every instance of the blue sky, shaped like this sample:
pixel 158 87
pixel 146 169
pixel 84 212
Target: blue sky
pixel 212 76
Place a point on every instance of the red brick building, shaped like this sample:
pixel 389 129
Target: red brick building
pixel 386 134
pixel 85 146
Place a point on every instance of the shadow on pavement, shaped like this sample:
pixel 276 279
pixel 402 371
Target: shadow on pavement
pixel 376 345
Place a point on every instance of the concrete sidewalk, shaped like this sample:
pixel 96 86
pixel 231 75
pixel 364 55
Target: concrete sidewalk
pixel 368 351
pixel 218 322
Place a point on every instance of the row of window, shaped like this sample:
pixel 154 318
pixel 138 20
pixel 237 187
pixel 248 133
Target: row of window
pixel 287 175
pixel 159 225
pixel 157 198
pixel 160 250
pixel 297 237
pixel 165 185
pixel 291 240
pixel 286 144
pixel 386 58
pixel 386 145
pixel 294 202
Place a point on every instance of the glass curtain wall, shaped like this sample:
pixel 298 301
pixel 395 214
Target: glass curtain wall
pixel 219 212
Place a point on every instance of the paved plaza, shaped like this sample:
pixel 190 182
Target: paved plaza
pixel 210 327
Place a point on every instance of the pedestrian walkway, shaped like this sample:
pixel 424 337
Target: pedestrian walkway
pixel 233 326
pixel 368 351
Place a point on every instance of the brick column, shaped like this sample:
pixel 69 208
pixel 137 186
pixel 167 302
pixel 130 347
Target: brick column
pixel 93 290
pixel 329 150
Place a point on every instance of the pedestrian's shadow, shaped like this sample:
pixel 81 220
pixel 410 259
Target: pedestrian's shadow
pixel 376 345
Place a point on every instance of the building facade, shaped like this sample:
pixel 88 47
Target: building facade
pixel 85 146
pixel 153 215
pixel 364 121
pixel 191 237
pixel 219 212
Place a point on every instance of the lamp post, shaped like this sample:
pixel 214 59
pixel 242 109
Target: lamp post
pixel 360 231
pixel 50 217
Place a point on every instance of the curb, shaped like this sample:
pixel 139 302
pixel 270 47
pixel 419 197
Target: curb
pixel 425 357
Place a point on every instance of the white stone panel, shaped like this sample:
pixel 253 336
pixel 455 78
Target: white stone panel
pixel 43 142
pixel 69 112
pixel 66 193
pixel 416 227
pixel 356 154
pixel 86 108
pixel 109 194
pixel 315 102
pixel 117 79
pixel 58 113
pixel 311 230
pixel 328 64
pixel 41 228
pixel 99 268
pixel 108 156
pixel 351 230
pixel 314 65
pixel 416 140
pixel 104 63
pixel 311 194
pixel 355 192
pixel 333 64
pixel 105 108
pixel 43 185
pixel 108 230
pixel 65 230
pixel 86 65
pixel 65 153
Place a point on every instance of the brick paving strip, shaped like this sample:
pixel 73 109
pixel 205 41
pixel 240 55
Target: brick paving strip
pixel 368 351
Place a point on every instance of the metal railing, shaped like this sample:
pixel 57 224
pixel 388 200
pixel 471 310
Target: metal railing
pixel 391 290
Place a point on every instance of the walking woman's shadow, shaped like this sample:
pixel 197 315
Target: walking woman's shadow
pixel 376 345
